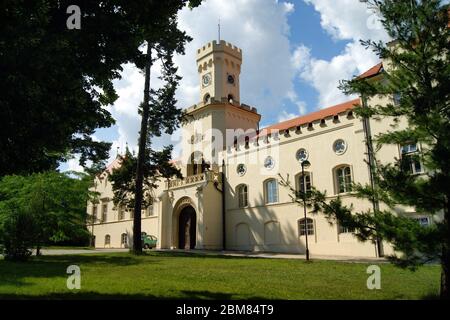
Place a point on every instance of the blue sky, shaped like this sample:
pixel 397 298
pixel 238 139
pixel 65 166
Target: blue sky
pixel 294 54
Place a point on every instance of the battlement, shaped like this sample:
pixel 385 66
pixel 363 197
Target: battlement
pixel 222 101
pixel 223 46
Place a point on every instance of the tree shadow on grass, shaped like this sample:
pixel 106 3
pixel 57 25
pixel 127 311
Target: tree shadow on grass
pixel 202 255
pixel 431 296
pixel 184 295
pixel 14 273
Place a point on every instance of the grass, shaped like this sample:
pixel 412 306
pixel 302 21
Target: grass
pixel 165 275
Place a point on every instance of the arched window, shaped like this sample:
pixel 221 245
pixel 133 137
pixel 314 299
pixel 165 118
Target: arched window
pixel 343 179
pixel 124 239
pixel 271 191
pixel 196 164
pixel 107 240
pixel 306 226
pixel 242 192
pixel 304 182
pixel 206 98
pixel 230 98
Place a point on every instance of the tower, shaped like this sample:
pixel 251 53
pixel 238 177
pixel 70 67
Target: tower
pixel 219 67
pixel 207 126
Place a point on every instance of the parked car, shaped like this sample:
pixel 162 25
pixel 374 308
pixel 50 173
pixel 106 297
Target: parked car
pixel 148 241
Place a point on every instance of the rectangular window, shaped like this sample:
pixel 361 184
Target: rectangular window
pixel 150 210
pixel 271 191
pixel 410 161
pixel 397 97
pixel 243 196
pixel 94 213
pixel 309 227
pixel 345 229
pixel 344 179
pixel 423 221
pixel 306 180
pixel 121 213
pixel 104 212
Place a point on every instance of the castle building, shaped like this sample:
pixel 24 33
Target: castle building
pixel 230 197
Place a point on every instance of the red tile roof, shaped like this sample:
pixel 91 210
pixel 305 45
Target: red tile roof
pixel 318 115
pixel 372 71
pixel 114 165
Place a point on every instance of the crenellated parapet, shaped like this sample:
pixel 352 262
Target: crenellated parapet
pixel 223 46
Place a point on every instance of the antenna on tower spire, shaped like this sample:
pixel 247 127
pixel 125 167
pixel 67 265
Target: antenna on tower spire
pixel 218 29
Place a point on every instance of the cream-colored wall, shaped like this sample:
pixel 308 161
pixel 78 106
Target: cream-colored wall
pixel 284 215
pixel 113 226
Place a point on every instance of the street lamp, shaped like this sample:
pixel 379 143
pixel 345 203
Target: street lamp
pixel 305 163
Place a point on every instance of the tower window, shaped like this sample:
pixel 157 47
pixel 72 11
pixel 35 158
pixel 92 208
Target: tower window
pixel 206 98
pixel 230 98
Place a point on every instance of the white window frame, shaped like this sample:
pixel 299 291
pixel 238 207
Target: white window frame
pixel 124 240
pixel 267 193
pixel 242 195
pixel 310 228
pixel 347 185
pixel 407 151
pixel 299 179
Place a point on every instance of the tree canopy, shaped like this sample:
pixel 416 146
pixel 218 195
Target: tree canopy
pixel 42 208
pixel 56 82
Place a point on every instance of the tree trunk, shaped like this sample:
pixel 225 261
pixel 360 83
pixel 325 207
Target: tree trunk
pixel 137 244
pixel 445 260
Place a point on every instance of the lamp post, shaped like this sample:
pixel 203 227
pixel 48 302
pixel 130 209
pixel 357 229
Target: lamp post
pixel 305 163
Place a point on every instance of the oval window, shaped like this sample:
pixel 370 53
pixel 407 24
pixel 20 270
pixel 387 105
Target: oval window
pixel 339 146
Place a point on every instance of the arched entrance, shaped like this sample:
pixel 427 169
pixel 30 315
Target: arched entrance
pixel 187 228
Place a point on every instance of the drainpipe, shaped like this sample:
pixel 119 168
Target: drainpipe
pixel 224 235
pixel 371 165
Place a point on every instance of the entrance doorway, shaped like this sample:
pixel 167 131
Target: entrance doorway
pixel 187 228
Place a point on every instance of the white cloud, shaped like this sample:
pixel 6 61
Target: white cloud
pixel 324 75
pixel 350 20
pixel 74 165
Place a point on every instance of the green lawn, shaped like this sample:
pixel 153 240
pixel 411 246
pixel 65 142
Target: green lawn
pixel 159 275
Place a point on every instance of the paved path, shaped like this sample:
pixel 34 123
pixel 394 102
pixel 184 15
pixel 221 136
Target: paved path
pixel 280 255
pixel 223 253
pixel 58 252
